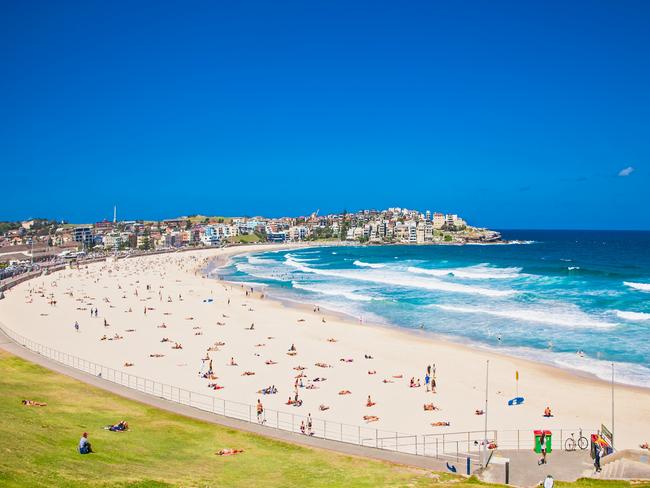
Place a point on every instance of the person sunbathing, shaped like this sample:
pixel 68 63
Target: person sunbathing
pixel 297 403
pixel 440 424
pixel 165 339
pixel 198 333
pixel 323 407
pixel 312 387
pixel 430 407
pixel 177 346
pixel 399 376
pixel 323 365
pixel 292 353
pixel 219 343
pixel 331 339
pixel 270 361
pixel 156 355
pixel 547 412
pixel 128 365
pixel 229 452
pixel 129 330
pixel 370 418
pixel 299 368
pixel 370 403
pixel 32 403
pixel 301 320
pixel 162 326
pixel 345 392
pixel 372 372
pixel 248 373
pixel 319 379
pixel 260 345
pixel 387 381
pixel 479 412
pixel 221 323
pixel 121 426
pixel 644 446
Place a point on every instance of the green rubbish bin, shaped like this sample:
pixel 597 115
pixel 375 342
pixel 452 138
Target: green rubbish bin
pixel 538 437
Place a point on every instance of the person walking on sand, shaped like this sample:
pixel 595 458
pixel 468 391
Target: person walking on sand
pixel 427 379
pixel 76 326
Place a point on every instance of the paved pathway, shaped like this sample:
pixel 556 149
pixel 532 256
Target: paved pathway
pixel 408 459
pixel 524 470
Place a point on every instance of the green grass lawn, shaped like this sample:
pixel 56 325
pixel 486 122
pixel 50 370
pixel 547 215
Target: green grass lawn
pixel 38 445
pixel 244 238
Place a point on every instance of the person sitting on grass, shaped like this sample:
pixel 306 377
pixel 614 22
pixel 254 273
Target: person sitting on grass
pixel 84 445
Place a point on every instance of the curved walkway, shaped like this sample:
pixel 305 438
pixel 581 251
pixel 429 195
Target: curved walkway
pixel 344 448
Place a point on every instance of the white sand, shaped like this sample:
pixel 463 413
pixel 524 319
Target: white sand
pixel 576 400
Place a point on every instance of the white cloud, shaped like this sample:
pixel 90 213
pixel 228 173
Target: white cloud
pixel 626 171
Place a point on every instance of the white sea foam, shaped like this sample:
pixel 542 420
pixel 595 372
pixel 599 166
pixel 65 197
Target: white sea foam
pixel 362 264
pixel 563 315
pixel 399 279
pixel 333 290
pixel 634 316
pixel 479 272
pixel 638 286
pixel 571 268
pixel 259 261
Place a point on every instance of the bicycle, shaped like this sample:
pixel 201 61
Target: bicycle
pixel 571 443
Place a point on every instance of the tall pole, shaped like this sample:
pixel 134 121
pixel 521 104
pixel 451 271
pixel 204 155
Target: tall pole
pixel 487 376
pixel 612 405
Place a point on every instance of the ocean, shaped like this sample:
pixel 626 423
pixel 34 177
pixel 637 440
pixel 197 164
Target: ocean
pixel 575 299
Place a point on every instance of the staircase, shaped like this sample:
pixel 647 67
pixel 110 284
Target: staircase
pixel 625 465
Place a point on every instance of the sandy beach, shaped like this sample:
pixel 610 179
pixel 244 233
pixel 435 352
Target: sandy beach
pixel 142 301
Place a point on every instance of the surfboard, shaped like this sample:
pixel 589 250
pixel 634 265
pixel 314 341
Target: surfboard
pixel 516 401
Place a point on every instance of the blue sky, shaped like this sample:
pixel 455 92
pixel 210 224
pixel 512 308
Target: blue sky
pixel 512 114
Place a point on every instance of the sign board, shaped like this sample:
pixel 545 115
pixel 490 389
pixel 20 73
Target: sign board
pixel 606 434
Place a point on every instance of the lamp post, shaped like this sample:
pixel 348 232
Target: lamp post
pixel 487 376
pixel 613 405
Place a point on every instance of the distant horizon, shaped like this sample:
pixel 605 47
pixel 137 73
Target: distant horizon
pixel 496 227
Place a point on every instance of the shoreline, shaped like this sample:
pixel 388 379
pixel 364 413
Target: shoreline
pixel 450 341
pixel 396 356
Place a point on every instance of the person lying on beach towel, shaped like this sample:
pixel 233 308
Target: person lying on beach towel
pixel 260 345
pixel 248 373
pixel 387 381
pixel 372 372
pixel 323 407
pixel 312 387
pixel 430 407
pixel 128 365
pixel 370 418
pixel 32 403
pixel 292 353
pixel 177 346
pixel 270 361
pixel 229 452
pixel 221 323
pixel 479 412
pixel 346 360
pixel 331 339
pixel 214 386
pixel 299 368
pixel 323 365
pixel 156 355
pixel 345 392
pixel 440 424
pixel 319 379
pixel 398 376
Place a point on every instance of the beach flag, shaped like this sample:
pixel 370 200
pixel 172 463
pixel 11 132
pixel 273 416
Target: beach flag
pixel 517 375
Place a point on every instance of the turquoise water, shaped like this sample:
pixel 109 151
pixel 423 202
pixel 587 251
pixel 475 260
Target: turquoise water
pixel 555 295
